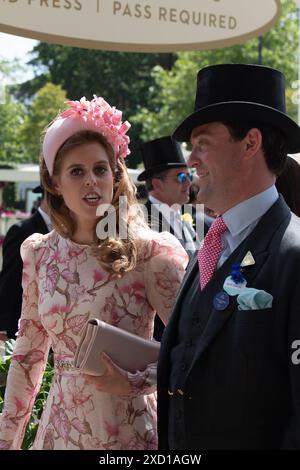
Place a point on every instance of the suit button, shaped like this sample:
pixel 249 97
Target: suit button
pixel 189 343
pixel 183 366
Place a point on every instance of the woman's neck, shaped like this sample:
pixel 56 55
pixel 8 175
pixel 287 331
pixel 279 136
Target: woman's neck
pixel 84 236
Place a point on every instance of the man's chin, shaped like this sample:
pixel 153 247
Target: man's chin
pixel 201 200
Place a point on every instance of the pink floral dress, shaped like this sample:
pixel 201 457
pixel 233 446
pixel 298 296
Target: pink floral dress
pixel 63 287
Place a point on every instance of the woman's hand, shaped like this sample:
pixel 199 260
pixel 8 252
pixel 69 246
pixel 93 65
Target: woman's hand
pixel 114 380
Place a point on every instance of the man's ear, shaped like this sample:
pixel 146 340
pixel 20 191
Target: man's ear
pixel 157 183
pixel 253 142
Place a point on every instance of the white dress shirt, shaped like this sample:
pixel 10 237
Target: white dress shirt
pixel 242 219
pixel 173 217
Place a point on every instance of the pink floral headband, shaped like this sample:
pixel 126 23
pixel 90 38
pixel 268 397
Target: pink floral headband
pixel 95 115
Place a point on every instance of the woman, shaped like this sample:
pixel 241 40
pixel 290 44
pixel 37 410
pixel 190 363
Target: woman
pixel 70 276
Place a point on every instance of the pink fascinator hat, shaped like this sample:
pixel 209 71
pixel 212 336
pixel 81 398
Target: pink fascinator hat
pixel 95 115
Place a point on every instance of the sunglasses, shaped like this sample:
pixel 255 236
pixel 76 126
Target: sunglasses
pixel 184 177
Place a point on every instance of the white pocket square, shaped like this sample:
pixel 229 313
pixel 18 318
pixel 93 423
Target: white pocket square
pixel 254 299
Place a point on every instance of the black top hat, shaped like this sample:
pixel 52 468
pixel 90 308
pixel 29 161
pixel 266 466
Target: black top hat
pixel 160 154
pixel 38 190
pixel 241 92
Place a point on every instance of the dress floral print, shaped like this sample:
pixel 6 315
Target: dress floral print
pixel 63 287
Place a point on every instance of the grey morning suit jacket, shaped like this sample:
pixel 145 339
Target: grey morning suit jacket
pixel 240 389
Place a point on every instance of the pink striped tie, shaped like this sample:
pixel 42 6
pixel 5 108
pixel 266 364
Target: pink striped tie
pixel 210 251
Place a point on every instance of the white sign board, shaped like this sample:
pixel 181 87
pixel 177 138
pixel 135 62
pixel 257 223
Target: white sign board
pixel 139 25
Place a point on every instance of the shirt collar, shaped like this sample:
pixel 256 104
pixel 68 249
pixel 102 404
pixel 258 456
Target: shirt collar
pixel 164 208
pixel 46 218
pixel 239 217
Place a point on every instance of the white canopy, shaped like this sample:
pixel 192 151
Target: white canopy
pixel 31 173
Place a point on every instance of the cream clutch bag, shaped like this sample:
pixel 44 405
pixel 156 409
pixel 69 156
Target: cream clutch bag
pixel 128 351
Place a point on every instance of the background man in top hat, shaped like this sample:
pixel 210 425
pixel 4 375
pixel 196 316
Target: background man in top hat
pixel 11 274
pixel 229 372
pixel 168 182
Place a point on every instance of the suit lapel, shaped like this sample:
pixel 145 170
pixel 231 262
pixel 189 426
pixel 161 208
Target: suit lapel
pixel 170 332
pixel 189 228
pixel 188 278
pixel 159 223
pixel 217 319
pixel 259 243
pixel 40 225
pixel 156 220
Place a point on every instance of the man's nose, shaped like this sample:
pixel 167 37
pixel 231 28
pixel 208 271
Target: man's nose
pixel 187 183
pixel 192 161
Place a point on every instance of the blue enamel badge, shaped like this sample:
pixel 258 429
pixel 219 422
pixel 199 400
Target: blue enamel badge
pixel 221 301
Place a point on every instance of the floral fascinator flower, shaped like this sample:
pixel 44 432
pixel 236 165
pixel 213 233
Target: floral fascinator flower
pixel 95 115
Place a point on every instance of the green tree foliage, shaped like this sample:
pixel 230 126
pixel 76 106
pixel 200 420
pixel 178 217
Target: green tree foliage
pixel 45 106
pixel 10 71
pixel 122 78
pixel 174 91
pixel 11 119
pixel 11 116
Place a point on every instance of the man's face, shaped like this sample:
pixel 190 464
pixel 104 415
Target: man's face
pixel 172 191
pixel 217 159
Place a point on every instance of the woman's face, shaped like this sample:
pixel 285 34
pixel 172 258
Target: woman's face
pixel 85 181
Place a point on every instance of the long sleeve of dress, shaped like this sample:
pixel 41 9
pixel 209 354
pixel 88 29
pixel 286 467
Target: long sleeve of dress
pixel 29 357
pixel 164 269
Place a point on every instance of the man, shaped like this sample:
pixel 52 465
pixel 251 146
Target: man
pixel 229 372
pixel 168 181
pixel 12 267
